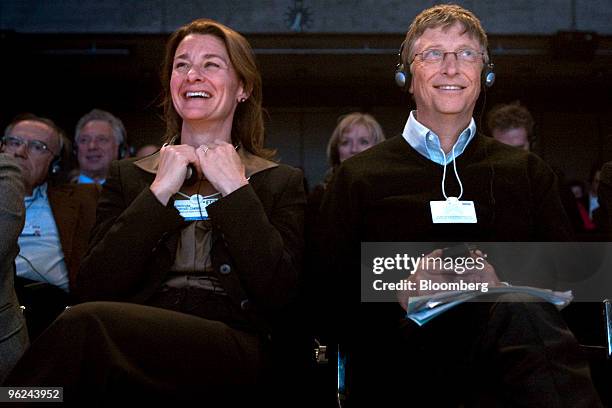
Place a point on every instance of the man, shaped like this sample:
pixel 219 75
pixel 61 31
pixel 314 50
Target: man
pixel 57 219
pixel 511 124
pixel 100 139
pixel 13 333
pixel 403 190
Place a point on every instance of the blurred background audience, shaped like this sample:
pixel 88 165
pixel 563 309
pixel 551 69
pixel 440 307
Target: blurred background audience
pixel 99 138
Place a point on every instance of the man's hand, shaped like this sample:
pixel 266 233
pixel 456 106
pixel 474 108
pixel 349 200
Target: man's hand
pixel 432 269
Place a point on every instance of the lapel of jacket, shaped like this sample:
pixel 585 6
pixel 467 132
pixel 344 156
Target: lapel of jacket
pixel 66 212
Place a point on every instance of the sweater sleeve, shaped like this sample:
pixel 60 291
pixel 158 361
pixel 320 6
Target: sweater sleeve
pixel 123 240
pixel 266 246
pixel 11 207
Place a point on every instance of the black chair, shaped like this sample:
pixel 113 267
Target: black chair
pixel 41 304
pixel 591 323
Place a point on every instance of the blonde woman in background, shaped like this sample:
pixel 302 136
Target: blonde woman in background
pixel 354 133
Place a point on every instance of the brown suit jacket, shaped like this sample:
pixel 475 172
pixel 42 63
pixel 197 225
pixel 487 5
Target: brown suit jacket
pixel 74 210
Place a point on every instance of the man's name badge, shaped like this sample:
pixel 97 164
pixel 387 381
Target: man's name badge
pixel 194 209
pixel 453 211
pixel 31 230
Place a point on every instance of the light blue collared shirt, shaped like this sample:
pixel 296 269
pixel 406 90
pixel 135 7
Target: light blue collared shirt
pixel 427 143
pixel 83 179
pixel 40 251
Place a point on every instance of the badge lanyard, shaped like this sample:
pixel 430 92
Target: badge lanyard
pixel 452 210
pixel 456 175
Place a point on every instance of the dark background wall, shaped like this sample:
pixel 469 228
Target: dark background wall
pixel 319 59
pixel 277 16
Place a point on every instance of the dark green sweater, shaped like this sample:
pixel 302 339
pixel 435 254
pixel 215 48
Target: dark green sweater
pixel 383 194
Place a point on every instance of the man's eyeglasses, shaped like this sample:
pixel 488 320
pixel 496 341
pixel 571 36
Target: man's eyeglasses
pixel 434 56
pixel 35 147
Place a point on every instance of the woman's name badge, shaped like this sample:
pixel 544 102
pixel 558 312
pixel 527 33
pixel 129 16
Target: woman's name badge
pixel 453 211
pixel 194 209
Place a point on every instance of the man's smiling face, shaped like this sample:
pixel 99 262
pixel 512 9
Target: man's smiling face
pixel 450 86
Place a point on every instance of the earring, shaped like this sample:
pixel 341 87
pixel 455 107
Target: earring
pixel 241 100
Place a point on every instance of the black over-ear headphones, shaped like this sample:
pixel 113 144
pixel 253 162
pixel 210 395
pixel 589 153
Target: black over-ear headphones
pixel 488 72
pixel 403 75
pixel 124 151
pixel 56 165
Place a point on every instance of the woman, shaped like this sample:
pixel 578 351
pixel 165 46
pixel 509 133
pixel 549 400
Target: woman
pixel 205 277
pixel 354 133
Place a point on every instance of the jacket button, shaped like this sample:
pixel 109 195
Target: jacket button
pixel 244 305
pixel 225 269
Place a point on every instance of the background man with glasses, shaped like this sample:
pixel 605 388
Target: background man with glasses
pixel 99 139
pixel 57 222
pixel 35 143
pixel 439 182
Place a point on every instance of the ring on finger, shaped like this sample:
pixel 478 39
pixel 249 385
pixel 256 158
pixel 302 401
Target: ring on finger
pixel 204 148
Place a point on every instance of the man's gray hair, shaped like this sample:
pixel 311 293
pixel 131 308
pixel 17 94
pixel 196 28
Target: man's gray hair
pixel 98 114
pixel 22 117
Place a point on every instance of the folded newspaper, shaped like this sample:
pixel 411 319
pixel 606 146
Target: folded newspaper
pixel 421 309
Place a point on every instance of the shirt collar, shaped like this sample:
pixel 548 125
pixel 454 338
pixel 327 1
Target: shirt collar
pixel 85 179
pixel 427 143
pixel 252 164
pixel 39 191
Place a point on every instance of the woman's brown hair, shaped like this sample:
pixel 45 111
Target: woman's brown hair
pixel 247 125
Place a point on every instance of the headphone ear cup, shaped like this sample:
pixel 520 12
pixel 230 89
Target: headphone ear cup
pixel 56 166
pixel 402 78
pixel 488 75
